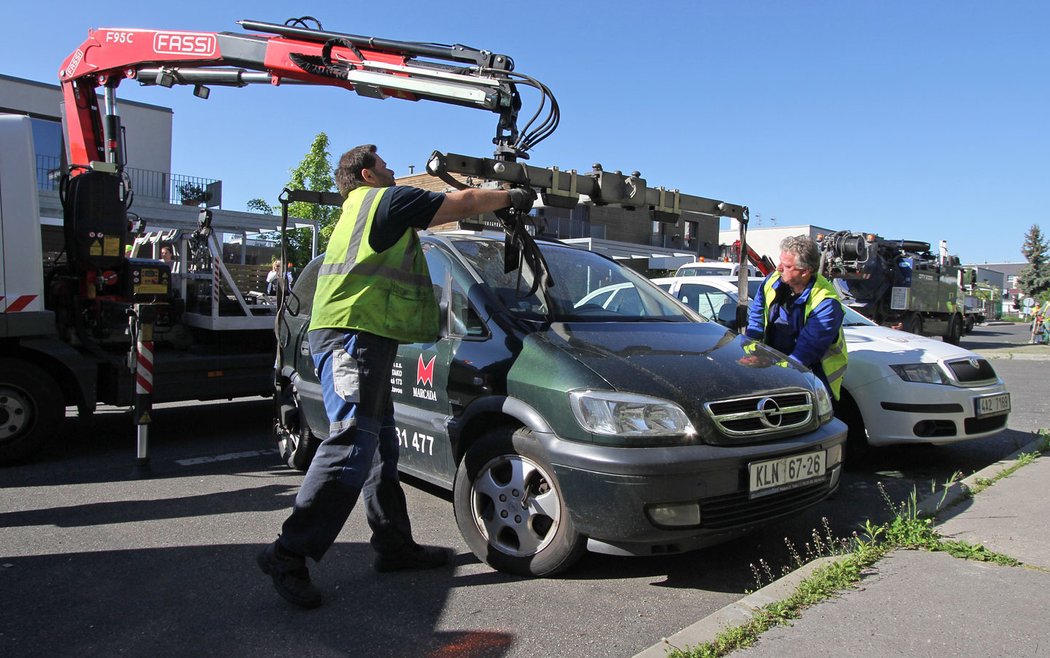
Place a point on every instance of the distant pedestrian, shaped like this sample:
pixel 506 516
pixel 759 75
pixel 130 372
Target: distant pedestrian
pixel 1041 329
pixel 274 276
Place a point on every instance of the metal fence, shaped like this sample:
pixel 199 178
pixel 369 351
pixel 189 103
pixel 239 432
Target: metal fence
pixel 160 185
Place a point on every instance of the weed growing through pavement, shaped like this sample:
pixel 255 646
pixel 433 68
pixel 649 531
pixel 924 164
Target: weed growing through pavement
pixel 908 529
pixel 1023 459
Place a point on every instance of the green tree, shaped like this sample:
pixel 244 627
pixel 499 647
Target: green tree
pixel 1034 278
pixel 259 205
pixel 314 173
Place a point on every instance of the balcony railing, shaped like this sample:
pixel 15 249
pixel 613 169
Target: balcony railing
pixel 159 185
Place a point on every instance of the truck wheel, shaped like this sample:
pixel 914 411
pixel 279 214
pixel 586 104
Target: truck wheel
pixel 913 324
pixel 297 444
pixel 31 409
pixel 510 508
pixel 955 327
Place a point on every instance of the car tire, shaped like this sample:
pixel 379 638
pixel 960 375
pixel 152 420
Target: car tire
pixel 32 409
pixel 510 508
pixel 857 446
pixel 296 443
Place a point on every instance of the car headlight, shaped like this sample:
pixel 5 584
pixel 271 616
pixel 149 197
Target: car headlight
pixel 922 373
pixel 824 408
pixel 627 414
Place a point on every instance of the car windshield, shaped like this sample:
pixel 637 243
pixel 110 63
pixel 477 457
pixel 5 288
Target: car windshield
pixel 854 319
pixel 588 287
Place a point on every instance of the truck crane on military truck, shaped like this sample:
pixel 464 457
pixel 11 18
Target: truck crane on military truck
pixel 898 283
pixel 91 340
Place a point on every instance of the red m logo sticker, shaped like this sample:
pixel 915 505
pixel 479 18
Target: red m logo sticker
pixel 425 371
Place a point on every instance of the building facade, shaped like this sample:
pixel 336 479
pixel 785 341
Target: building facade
pixel 162 199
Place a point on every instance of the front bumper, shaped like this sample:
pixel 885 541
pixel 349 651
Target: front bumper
pixel 611 492
pixel 897 412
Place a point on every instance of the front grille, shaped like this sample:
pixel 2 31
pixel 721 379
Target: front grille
pixel 972 371
pixel 761 414
pixel 738 509
pixel 977 425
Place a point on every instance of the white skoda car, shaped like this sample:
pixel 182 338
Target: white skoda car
pixel 899 387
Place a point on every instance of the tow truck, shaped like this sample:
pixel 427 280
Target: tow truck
pixel 100 326
pixel 898 283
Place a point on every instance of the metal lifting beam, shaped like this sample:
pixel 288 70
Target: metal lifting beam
pixel 562 188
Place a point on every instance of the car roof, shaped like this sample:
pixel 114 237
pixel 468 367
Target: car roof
pixel 716 264
pixel 726 284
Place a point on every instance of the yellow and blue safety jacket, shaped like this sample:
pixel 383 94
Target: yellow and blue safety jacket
pixel 807 327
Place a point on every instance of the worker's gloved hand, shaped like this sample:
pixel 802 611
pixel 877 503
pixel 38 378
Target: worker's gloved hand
pixel 521 198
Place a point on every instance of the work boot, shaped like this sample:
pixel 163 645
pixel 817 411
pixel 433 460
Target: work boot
pixel 411 557
pixel 290 576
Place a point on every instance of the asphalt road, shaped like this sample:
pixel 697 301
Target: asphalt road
pixel 94 560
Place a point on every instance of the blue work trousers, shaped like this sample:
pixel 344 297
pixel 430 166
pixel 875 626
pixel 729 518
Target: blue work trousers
pixel 359 455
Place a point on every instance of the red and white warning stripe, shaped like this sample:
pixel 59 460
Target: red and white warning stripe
pixel 216 264
pixel 15 304
pixel 144 368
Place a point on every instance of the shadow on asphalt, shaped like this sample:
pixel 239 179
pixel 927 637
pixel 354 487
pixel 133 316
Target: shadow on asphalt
pixel 213 600
pixel 254 499
pixel 103 448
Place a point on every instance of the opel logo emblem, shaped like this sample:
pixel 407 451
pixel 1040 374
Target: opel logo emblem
pixel 770 412
pixel 973 364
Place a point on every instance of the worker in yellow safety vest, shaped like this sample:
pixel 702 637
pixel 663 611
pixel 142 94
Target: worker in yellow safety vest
pixel 798 312
pixel 373 293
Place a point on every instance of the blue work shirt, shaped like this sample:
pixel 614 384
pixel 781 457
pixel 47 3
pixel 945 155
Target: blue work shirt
pixel 803 340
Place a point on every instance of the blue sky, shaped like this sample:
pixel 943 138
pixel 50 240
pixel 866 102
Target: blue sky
pixel 913 119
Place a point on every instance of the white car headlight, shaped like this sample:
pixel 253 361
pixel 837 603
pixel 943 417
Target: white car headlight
pixel 922 373
pixel 628 414
pixel 824 408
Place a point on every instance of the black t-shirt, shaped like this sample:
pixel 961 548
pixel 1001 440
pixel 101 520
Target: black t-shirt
pixel 402 208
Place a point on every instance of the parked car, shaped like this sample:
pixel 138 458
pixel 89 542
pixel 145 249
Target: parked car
pixel 562 423
pixel 713 268
pixel 899 387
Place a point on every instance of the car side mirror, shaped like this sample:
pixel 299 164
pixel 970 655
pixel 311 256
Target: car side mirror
pixel 727 316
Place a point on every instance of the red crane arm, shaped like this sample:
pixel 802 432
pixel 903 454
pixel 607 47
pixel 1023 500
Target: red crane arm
pixel 372 67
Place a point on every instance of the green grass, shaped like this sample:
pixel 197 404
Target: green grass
pixel 1023 459
pixel 905 530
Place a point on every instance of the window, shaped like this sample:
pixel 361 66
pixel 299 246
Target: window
pixel 301 299
pixel 47 141
pixel 705 300
pixel 463 320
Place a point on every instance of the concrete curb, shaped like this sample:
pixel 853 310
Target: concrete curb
pixel 1014 356
pixel 741 612
pixel 735 614
pixel 959 491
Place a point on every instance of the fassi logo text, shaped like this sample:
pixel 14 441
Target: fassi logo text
pixel 184 43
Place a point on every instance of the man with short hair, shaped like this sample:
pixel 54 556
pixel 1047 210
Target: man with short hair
pixel 373 293
pixel 798 312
